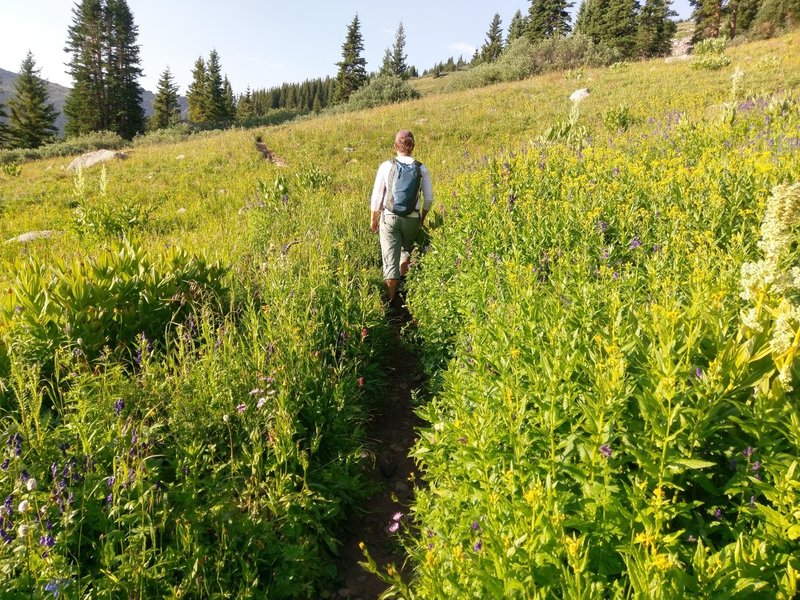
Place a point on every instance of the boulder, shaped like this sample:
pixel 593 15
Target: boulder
pixel 93 158
pixel 33 235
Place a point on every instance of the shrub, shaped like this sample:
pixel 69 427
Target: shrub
pixel 524 58
pixel 620 118
pixel 74 145
pixel 102 302
pixel 710 46
pixel 386 89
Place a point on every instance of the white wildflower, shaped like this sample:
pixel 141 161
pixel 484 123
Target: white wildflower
pixel 23 506
pixel 22 530
pixel 750 320
pixel 31 484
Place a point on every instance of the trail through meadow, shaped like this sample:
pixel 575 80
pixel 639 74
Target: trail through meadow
pixel 390 435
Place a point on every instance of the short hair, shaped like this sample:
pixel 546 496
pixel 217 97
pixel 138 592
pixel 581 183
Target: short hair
pixel 404 141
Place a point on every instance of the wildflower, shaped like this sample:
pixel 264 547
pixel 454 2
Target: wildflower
pixel 698 372
pixel 747 452
pixel 394 527
pixel 361 545
pixel 118 406
pixel 364 333
pixel 7 504
pixel 397 516
pixel 475 526
pixel 261 402
pixel 635 243
pixel 111 481
pixel 4 465
pixel 23 506
pixel 756 466
pixel 602 226
pixel 22 530
pixel 656 248
pixel 225 418
pixel 478 546
pixel 241 407
pixel 53 587
pixel 361 382
pixel 47 541
pixel 606 451
pixel 109 498
pixel 718 513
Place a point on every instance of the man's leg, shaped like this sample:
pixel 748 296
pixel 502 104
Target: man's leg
pixel 391 244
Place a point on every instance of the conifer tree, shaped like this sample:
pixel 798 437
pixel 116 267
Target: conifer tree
pixel 619 26
pixel 105 69
pixel 353 67
pixel 4 138
pixel 516 29
pixel 86 106
pixel 655 29
pixel 230 100
pixel 126 114
pixel 31 119
pixel 245 108
pixel 548 18
pixel 707 16
pixel 493 46
pixel 215 89
pixel 166 107
pixel 386 65
pixel 399 66
pixel 196 96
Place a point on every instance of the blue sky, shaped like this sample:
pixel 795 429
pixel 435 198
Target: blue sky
pixel 261 43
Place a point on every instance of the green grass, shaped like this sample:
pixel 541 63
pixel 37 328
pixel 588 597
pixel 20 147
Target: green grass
pixel 304 284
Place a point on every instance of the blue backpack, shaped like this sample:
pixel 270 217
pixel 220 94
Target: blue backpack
pixel 404 183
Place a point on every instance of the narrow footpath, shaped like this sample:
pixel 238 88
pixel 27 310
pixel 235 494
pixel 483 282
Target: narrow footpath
pixel 390 436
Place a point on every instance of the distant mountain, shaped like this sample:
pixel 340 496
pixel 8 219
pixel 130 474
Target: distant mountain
pixel 58 94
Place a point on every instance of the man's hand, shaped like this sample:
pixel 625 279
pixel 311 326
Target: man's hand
pixel 373 227
pixel 374 223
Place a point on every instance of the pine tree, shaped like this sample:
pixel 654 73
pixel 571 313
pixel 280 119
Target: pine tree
pixel 399 66
pixel 31 120
pixel 655 29
pixel 86 106
pixel 4 137
pixel 548 18
pixel 516 29
pixel 196 96
pixel 386 65
pixel 620 26
pixel 245 108
pixel 167 109
pixel 353 67
pixel 105 69
pixel 230 100
pixel 126 114
pixel 215 89
pixel 707 18
pixel 493 46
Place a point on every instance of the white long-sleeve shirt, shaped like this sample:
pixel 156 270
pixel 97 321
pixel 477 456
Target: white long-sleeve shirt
pixel 382 183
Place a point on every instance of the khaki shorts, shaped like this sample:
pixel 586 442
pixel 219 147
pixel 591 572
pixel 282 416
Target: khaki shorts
pixel 397 235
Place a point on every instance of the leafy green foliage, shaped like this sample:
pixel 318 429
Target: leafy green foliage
pixel 385 89
pixel 31 120
pixel 102 302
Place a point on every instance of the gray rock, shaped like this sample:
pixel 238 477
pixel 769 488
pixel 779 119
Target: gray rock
pixel 95 158
pixel 33 235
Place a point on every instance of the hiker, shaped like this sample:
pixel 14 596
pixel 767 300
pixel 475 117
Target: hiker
pixel 395 204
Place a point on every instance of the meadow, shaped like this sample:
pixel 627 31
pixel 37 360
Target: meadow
pixel 188 365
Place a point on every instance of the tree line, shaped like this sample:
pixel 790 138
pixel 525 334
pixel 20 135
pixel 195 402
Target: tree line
pixel 105 65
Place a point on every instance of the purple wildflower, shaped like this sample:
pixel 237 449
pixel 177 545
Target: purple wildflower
pixel 718 513
pixel 606 451
pixel 394 527
pixel 47 541
pixel 635 243
pixel 397 516
pixel 752 501
pixel 4 466
pixel 118 406
pixel 241 407
pixel 602 226
pixel 698 372
pixel 656 248
pixel 747 452
pixel 475 526
pixel 478 546
pixel 111 481
pixel 756 466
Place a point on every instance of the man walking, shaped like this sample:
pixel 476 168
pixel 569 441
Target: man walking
pixel 396 210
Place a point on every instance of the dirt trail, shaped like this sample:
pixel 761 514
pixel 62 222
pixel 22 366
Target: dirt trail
pixel 390 435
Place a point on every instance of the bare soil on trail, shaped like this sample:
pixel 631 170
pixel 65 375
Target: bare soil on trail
pixel 390 436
